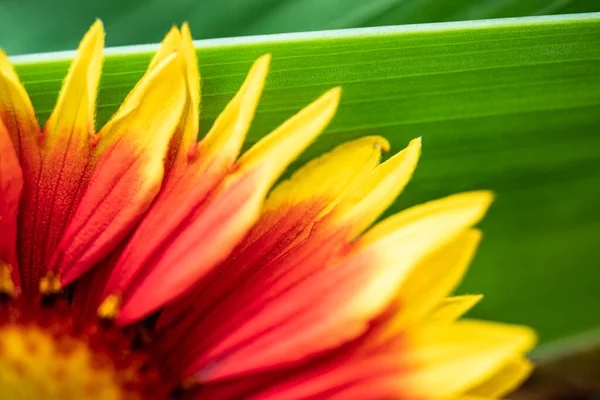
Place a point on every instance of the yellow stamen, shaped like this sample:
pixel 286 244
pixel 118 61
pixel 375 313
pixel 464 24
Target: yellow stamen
pixel 50 284
pixel 109 309
pixel 7 285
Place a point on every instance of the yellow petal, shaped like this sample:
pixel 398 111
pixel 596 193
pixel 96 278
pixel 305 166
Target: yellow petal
pixel 396 245
pixel 512 374
pixel 370 199
pixel 17 113
pixel 192 76
pixel 331 176
pixel 76 106
pixel 225 138
pixel 160 88
pixel 184 139
pixel 273 153
pixel 452 308
pixel 170 44
pixel 459 210
pixel 433 279
pixel 449 360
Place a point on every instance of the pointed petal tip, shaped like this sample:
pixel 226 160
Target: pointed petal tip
pixel 173 33
pixel 94 35
pixel 185 30
pixel 416 142
pixel 333 95
pixel 483 198
pixel 260 68
pixel 6 68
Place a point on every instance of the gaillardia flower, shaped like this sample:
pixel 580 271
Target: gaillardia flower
pixel 138 263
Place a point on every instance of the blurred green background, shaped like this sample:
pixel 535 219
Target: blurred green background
pixel 528 129
pixel 30 26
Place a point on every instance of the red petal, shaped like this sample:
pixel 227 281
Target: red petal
pixel 202 240
pixel 11 185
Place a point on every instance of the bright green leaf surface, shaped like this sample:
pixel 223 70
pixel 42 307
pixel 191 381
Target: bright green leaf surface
pixel 509 105
pixel 28 26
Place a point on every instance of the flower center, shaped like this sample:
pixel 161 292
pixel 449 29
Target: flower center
pixel 46 354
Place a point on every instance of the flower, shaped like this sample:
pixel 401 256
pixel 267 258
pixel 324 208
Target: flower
pixel 137 262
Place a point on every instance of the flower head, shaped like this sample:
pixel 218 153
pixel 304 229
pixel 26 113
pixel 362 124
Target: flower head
pixel 138 262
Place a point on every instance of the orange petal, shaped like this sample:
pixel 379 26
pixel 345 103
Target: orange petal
pixel 11 185
pixel 128 174
pixel 213 229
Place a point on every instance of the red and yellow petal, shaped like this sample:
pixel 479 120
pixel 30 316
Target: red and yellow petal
pixel 128 173
pixel 288 216
pixel 56 163
pixel 218 224
pixel 11 185
pixel 19 123
pixel 296 237
pixel 191 181
pixel 290 327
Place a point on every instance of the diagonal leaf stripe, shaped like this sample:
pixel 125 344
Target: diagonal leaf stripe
pixel 510 105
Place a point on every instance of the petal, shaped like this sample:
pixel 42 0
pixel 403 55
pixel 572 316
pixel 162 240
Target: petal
pixel 288 216
pixel 17 120
pixel 128 174
pixel 346 373
pixel 18 116
pixel 452 308
pixel 223 219
pixel 190 181
pixel 53 185
pixel 11 185
pixel 299 223
pixel 452 359
pixel 72 121
pixel 433 279
pixel 370 199
pixel 292 327
pixel 184 138
pixel 329 177
pixel 512 374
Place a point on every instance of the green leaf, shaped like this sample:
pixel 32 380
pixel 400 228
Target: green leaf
pixel 509 105
pixel 28 26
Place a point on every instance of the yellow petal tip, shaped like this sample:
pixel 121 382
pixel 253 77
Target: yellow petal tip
pixel 76 106
pixel 185 30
